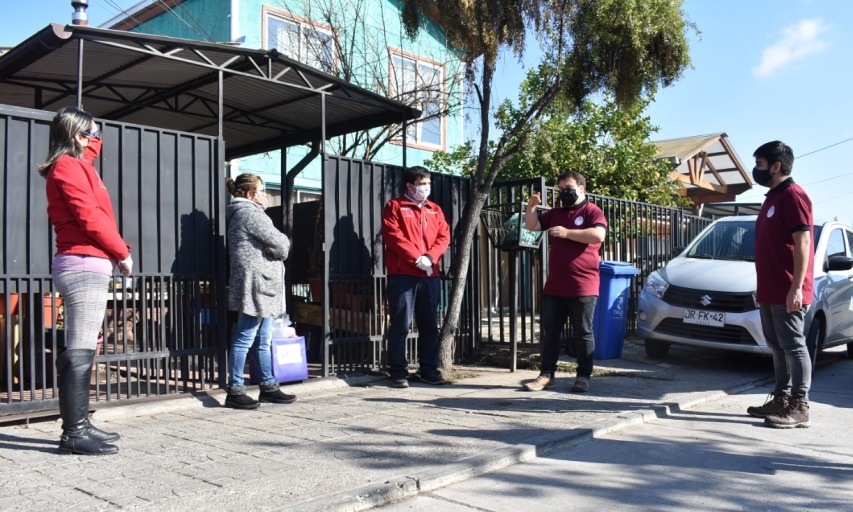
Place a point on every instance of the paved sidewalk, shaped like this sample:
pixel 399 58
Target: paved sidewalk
pixel 342 447
pixel 711 457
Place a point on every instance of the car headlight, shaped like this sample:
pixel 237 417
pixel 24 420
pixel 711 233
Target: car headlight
pixel 656 284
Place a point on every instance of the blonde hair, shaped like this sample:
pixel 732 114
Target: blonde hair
pixel 243 185
pixel 66 124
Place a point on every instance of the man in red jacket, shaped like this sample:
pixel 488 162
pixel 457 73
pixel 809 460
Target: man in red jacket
pixel 416 235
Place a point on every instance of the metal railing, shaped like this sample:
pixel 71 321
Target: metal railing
pixel 165 330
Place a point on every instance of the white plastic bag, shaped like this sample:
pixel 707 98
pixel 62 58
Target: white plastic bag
pixel 282 328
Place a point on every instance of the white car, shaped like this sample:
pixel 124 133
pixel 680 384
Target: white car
pixel 705 296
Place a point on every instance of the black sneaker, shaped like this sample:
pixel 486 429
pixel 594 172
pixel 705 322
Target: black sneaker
pixel 399 382
pixel 581 385
pixel 276 397
pixel 432 378
pixel 241 401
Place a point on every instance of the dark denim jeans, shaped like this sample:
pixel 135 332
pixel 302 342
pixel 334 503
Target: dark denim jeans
pixel 408 295
pixel 579 311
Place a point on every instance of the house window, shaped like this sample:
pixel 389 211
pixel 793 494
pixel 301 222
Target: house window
pixel 419 83
pixel 273 195
pixel 303 195
pixel 302 41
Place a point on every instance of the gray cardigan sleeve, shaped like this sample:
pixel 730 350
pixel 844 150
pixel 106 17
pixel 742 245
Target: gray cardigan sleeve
pixel 262 228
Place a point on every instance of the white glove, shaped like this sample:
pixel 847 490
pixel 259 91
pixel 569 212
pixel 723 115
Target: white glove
pixel 126 266
pixel 425 264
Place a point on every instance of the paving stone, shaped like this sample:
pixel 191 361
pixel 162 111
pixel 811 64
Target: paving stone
pixel 196 455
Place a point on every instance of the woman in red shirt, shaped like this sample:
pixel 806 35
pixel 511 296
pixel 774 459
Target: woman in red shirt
pixel 89 247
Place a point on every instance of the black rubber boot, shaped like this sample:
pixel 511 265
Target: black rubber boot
pixel 78 437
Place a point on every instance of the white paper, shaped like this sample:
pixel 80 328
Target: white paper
pixel 290 353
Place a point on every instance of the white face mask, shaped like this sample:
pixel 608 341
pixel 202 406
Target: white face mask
pixel 261 199
pixel 421 193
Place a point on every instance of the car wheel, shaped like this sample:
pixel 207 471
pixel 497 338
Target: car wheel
pixel 850 351
pixel 813 340
pixel 657 349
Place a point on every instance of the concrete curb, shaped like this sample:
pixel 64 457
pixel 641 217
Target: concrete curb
pixel 216 397
pixel 430 479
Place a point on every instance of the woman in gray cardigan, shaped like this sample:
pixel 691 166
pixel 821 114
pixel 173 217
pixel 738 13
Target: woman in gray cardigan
pixel 256 289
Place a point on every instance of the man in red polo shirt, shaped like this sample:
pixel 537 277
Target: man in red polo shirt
pixel 784 264
pixel 576 230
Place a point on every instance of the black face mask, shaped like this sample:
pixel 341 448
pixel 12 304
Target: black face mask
pixel 568 196
pixel 761 176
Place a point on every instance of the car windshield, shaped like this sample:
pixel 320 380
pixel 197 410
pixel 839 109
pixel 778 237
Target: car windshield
pixel 726 241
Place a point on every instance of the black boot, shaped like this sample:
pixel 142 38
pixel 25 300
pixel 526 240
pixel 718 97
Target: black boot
pixel 238 399
pixel 271 393
pixel 75 371
pixel 99 434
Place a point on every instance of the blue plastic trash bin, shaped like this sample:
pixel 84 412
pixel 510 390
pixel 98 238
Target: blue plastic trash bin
pixel 611 310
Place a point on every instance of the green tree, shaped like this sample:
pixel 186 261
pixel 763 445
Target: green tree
pixel 627 48
pixel 606 142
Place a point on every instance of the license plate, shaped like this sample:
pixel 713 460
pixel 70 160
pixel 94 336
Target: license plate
pixel 699 317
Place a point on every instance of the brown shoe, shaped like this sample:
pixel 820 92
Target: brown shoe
pixel 775 404
pixel 542 381
pixel 796 415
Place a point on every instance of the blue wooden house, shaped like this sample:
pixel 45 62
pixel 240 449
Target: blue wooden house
pixel 360 41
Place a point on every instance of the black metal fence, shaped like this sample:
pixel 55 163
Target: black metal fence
pixel 165 329
pixel 638 233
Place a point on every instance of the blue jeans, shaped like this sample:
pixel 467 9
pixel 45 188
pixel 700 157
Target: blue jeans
pixel 250 328
pixel 579 311
pixel 409 295
pixel 783 333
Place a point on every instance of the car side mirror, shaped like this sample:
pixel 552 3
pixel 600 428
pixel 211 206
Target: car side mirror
pixel 677 250
pixel 839 262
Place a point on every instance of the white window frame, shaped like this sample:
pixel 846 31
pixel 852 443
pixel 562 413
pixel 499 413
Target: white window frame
pixel 305 195
pixel 415 132
pixel 307 29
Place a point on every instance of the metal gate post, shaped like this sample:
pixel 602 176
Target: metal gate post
pixel 513 309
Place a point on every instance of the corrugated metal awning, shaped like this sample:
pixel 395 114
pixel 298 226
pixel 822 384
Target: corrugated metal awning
pixel 268 101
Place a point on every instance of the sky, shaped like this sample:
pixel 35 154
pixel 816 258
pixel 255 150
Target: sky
pixel 765 70
pixel 23 18
pixel 772 70
pixel 762 70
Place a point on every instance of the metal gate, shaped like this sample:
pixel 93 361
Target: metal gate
pixel 165 329
pixel 347 302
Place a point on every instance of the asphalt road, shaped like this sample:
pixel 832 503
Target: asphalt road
pixel 710 457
